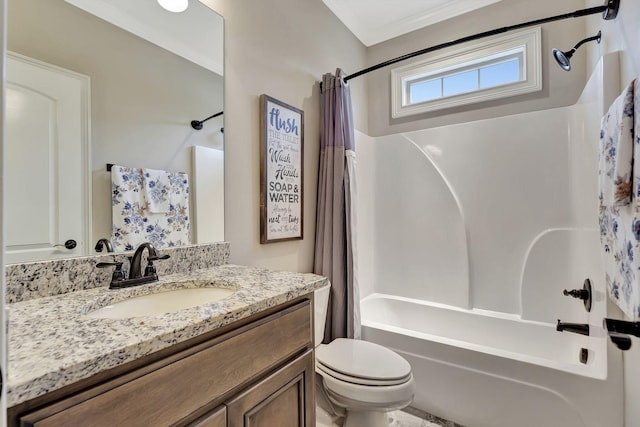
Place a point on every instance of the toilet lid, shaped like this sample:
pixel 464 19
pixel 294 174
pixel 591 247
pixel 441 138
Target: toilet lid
pixel 363 359
pixel 322 369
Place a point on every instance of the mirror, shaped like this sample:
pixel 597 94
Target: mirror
pixel 141 101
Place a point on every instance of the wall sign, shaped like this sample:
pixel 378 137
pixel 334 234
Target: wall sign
pixel 281 170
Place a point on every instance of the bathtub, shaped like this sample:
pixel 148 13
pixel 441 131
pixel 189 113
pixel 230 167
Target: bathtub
pixel 481 368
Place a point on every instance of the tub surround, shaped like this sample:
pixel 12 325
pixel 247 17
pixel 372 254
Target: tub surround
pixel 522 251
pixel 56 277
pixel 51 344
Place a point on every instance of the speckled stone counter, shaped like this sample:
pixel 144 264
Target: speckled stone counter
pixel 59 276
pixel 51 344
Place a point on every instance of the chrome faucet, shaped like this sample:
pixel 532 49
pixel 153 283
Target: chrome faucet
pixel 119 279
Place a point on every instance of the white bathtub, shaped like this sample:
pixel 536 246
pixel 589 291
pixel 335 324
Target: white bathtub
pixel 481 368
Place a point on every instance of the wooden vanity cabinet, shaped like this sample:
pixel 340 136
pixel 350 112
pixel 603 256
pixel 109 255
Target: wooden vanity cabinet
pixel 216 418
pixel 278 400
pixel 258 374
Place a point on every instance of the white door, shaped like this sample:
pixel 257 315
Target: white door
pixel 45 161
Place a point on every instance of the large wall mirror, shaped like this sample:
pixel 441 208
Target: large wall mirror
pixel 134 80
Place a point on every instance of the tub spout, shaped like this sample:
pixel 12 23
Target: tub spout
pixel 576 328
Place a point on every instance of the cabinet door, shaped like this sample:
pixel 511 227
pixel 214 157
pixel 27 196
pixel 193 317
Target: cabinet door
pixel 285 398
pixel 215 418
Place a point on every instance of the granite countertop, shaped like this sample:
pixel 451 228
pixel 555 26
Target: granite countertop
pixel 51 344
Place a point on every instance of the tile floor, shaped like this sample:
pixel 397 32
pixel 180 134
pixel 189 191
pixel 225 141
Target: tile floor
pixel 396 419
pixel 404 419
pixel 407 417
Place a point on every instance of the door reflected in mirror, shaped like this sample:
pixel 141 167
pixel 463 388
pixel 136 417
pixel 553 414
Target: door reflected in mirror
pixel 140 99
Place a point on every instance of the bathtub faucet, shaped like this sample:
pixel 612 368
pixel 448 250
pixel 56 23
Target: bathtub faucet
pixel 576 328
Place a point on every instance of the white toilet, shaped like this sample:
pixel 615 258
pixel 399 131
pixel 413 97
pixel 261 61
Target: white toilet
pixel 362 379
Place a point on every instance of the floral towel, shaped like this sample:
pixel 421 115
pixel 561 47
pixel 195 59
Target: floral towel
pixel 619 191
pixel 617 182
pixel 157 189
pixel 134 223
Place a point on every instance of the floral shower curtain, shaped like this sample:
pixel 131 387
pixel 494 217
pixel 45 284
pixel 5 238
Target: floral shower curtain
pixel 335 250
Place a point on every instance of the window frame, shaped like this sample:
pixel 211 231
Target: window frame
pixel 472 55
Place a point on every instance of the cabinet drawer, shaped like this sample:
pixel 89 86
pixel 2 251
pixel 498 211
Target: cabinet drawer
pixel 174 391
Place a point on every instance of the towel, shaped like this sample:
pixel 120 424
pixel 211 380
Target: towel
pixel 156 190
pixel 133 222
pixel 616 169
pixel 619 190
pixel 179 188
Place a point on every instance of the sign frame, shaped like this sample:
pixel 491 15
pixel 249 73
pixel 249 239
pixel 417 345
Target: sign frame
pixel 281 171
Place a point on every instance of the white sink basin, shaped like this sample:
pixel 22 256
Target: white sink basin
pixel 160 302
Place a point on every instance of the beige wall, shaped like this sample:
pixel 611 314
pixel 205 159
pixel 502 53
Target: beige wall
pixel 280 48
pixel 622 35
pixel 559 87
pixel 142 97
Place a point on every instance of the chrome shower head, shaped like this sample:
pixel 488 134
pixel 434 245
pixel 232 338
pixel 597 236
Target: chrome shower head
pixel 563 58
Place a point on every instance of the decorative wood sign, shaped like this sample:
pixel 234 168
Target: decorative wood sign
pixel 281 171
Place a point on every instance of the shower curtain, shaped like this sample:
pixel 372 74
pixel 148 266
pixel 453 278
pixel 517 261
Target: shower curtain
pixel 335 248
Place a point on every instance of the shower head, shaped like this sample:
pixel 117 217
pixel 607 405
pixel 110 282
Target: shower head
pixel 197 124
pixel 563 58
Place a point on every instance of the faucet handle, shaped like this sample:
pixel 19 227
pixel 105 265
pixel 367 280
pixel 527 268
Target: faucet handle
pixel 150 269
pixel 576 293
pixel 583 294
pixel 118 273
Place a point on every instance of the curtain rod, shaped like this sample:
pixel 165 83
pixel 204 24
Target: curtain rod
pixel 609 11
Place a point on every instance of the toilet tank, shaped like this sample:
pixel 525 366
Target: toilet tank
pixel 320 305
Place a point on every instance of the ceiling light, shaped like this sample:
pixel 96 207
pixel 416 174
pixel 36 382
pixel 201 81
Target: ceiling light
pixel 174 5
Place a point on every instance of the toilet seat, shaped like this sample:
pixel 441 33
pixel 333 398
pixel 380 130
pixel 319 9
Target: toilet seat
pixel 360 381
pixel 364 396
pixel 362 362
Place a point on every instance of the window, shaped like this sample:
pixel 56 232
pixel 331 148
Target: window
pixel 491 68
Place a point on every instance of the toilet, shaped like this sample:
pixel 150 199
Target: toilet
pixel 361 380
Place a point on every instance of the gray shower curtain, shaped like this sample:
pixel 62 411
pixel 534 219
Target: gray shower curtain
pixel 335 256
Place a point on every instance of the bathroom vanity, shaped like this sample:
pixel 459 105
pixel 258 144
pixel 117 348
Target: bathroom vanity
pixel 244 360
